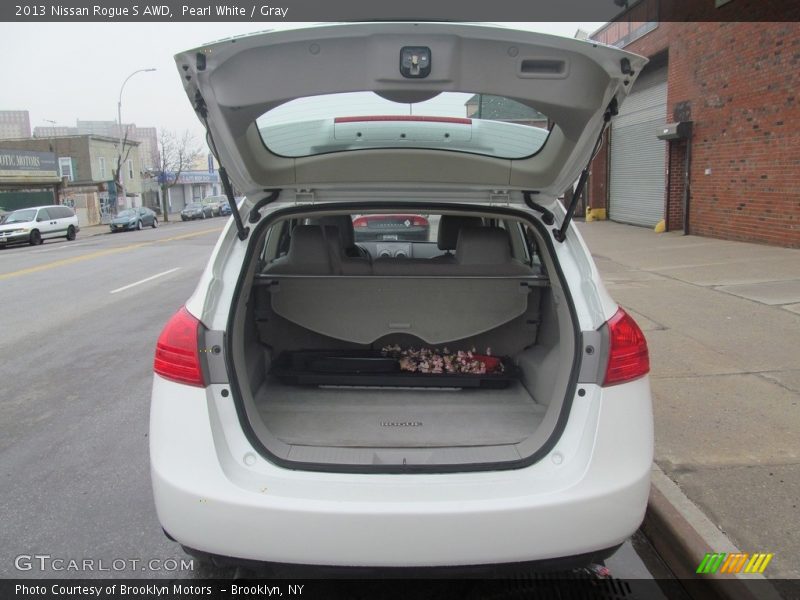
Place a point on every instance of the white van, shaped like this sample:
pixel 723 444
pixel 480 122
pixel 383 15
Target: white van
pixel 33 225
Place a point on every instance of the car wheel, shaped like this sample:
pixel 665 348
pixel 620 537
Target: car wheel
pixel 70 233
pixel 139 225
pixel 36 238
pixel 155 223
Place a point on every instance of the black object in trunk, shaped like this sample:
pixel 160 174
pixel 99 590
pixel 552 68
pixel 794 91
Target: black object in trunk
pixel 373 368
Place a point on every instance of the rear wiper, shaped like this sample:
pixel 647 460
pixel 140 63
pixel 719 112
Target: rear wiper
pixel 561 233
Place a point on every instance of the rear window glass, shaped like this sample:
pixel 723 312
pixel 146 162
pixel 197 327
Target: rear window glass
pixel 464 122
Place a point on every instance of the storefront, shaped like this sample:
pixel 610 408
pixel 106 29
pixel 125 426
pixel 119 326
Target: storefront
pixel 28 178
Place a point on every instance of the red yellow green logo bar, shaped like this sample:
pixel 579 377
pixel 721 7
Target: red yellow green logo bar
pixel 734 562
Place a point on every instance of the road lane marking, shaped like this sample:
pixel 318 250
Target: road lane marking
pixel 76 259
pixel 59 247
pixel 130 285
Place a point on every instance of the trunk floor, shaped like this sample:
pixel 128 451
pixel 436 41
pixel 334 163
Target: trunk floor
pixel 398 418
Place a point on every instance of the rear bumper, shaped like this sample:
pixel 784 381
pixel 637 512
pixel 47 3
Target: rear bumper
pixel 213 493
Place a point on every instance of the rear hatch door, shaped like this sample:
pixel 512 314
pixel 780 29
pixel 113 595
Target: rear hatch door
pixel 235 85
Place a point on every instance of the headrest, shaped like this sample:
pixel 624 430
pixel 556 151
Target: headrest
pixel 343 223
pixel 308 248
pixel 483 246
pixel 449 226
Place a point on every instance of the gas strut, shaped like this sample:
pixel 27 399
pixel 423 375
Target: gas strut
pixel 561 233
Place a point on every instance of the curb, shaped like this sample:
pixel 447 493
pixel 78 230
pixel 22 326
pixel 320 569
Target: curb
pixel 95 230
pixel 682 535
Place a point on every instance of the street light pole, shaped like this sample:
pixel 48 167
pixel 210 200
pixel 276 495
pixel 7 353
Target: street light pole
pixel 119 123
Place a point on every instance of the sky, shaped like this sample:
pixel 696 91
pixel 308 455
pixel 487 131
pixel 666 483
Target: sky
pixel 67 71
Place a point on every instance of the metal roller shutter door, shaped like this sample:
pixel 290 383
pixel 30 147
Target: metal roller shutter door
pixel 637 156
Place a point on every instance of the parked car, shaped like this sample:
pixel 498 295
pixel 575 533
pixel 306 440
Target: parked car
pixel 133 218
pixel 396 227
pixel 196 210
pixel 33 225
pixel 478 400
pixel 215 202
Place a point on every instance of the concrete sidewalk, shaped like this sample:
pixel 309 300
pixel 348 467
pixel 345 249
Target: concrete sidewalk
pixel 722 321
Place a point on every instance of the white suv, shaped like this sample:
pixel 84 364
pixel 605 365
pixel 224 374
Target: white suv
pixel 469 397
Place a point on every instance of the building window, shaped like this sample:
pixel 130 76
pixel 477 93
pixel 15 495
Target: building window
pixel 130 170
pixel 102 163
pixel 65 167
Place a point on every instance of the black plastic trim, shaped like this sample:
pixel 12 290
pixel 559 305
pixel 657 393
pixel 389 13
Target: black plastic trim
pixel 543 450
pixel 255 215
pixel 489 570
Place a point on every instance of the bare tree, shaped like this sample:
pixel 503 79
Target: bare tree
pixel 178 152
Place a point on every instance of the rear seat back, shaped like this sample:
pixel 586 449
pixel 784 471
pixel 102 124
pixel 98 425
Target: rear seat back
pixel 309 254
pixel 317 250
pixel 480 251
pixel 449 228
pixel 486 251
pixel 341 262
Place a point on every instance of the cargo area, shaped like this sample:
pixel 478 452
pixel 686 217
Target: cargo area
pixel 458 359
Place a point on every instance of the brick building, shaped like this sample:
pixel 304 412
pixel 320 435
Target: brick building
pixel 738 84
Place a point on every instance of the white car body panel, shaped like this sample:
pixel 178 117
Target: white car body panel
pixel 590 497
pixel 214 492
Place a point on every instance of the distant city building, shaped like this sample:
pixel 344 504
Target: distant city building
pixel 146 136
pixel 14 124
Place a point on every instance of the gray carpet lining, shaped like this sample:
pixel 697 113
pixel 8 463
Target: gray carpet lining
pixel 398 418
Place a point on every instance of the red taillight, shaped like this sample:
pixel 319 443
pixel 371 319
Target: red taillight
pixel 628 358
pixel 419 221
pixel 360 222
pixel 177 355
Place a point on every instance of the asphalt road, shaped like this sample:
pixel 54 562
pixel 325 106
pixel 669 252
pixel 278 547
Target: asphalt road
pixel 75 369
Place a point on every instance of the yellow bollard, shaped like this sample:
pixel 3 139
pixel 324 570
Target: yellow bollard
pixel 661 226
pixel 595 214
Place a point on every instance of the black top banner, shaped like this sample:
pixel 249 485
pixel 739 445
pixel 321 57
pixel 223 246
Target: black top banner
pixel 405 10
